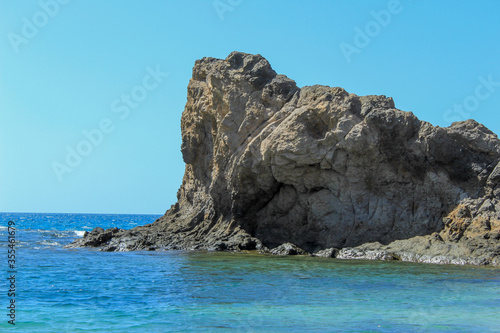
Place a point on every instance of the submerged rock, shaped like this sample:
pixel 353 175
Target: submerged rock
pixel 269 163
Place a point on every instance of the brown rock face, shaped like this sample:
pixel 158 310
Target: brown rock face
pixel 269 163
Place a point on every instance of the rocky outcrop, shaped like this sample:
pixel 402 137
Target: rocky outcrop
pixel 269 163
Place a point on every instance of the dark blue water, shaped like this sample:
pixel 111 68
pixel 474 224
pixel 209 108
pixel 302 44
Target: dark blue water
pixel 59 290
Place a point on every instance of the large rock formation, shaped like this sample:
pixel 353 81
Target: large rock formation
pixel 269 163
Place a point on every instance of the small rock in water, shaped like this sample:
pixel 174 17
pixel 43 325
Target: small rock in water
pixel 327 253
pixel 288 249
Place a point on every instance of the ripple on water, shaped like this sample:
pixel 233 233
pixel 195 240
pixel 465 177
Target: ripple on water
pixel 184 291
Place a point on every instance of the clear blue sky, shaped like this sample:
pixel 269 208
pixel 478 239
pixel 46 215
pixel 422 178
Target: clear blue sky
pixel 68 68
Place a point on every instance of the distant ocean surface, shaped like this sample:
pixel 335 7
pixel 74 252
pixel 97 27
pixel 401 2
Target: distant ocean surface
pixel 84 290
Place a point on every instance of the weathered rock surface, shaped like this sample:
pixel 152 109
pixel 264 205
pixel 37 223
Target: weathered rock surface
pixel 269 163
pixel 327 253
pixel 288 249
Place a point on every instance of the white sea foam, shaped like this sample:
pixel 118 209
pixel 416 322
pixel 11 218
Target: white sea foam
pixel 79 233
pixel 46 242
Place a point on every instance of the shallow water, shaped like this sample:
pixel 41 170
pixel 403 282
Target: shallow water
pixel 63 290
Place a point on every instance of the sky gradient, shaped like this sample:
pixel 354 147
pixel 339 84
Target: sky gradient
pixel 91 92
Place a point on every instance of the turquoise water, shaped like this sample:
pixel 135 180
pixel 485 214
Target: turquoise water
pixel 61 290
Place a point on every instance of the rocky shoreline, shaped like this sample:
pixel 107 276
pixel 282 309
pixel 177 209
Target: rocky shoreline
pixel 421 249
pixel 285 170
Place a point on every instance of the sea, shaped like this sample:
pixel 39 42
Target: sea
pixel 54 289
